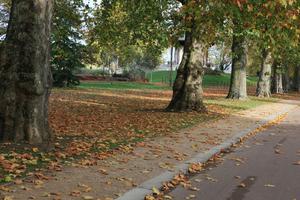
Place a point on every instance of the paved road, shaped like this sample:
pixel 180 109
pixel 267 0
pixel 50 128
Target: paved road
pixel 263 168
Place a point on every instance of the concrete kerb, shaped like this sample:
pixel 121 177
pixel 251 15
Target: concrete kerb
pixel 145 188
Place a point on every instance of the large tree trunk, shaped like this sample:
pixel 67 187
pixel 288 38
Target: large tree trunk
pixel 238 82
pixel 25 73
pixel 264 82
pixel 187 88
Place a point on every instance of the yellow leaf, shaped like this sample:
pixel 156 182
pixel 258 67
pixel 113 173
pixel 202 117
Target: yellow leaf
pixel 87 197
pixel 148 197
pixel 155 191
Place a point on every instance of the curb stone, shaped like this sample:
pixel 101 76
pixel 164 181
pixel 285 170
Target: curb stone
pixel 145 188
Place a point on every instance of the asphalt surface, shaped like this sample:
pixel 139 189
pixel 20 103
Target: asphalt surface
pixel 265 167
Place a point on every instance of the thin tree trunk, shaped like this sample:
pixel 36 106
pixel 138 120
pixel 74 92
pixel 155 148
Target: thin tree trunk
pixel 238 82
pixel 25 73
pixel 277 81
pixel 286 81
pixel 171 67
pixel 264 81
pixel 273 77
pixel 187 88
pixel 297 78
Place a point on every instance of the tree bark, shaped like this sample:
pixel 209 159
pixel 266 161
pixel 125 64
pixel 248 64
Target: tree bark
pixel 286 80
pixel 277 80
pixel 238 82
pixel 25 73
pixel 171 67
pixel 187 88
pixel 279 84
pixel 297 79
pixel 264 82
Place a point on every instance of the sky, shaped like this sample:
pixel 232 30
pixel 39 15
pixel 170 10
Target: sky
pixel 91 2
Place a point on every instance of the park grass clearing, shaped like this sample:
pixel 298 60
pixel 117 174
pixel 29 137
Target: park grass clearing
pixel 237 105
pixel 208 80
pixel 118 85
pixel 222 80
pixel 89 124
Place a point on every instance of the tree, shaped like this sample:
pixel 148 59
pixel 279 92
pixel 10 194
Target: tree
pixel 238 15
pixel 238 81
pixel 264 82
pixel 276 33
pixel 270 24
pixel 126 30
pixel 187 88
pixel 67 49
pixel 25 73
pixel 152 24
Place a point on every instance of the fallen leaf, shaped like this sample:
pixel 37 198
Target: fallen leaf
pixel 75 193
pixel 242 185
pixel 297 163
pixel 277 151
pixel 155 191
pixel 195 167
pixel 87 197
pixel 269 185
pixel 149 197
pixel 7 198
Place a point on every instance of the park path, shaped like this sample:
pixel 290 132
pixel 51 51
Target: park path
pixel 125 170
pixel 267 166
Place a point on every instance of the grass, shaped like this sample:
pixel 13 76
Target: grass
pixel 121 86
pixel 222 80
pixel 209 80
pixel 238 105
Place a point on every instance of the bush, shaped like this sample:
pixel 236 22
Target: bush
pixel 135 74
pixel 94 72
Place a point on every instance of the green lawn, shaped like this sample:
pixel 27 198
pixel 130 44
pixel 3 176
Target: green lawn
pixel 237 105
pixel 161 77
pixel 121 85
pixel 209 80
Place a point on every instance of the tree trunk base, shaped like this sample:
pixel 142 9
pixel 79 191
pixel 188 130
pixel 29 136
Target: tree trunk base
pixel 265 94
pixel 181 105
pixel 187 88
pixel 236 96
